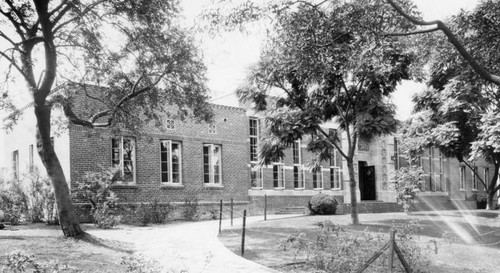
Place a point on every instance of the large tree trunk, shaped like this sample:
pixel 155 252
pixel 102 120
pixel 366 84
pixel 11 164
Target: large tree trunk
pixel 352 188
pixel 489 203
pixel 67 214
pixel 492 187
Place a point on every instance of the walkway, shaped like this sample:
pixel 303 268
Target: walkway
pixel 188 247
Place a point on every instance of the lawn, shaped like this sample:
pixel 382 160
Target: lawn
pixel 48 245
pixel 467 242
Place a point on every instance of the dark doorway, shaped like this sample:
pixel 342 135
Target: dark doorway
pixel 367 181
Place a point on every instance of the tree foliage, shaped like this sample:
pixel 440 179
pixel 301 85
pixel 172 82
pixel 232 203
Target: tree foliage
pixel 326 62
pixel 459 110
pixel 135 54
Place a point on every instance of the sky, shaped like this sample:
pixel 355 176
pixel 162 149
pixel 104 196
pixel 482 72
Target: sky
pixel 228 58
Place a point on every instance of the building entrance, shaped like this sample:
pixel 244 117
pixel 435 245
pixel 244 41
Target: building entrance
pixel 367 181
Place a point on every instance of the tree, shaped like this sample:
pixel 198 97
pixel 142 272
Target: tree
pixel 327 62
pixel 460 110
pixel 135 49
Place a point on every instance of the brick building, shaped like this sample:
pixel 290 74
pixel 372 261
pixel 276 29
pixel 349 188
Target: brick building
pixel 185 159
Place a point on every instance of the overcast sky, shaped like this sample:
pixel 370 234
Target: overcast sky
pixel 229 57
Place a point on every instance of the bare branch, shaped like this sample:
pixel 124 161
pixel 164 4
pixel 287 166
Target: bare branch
pixel 479 69
pixel 420 31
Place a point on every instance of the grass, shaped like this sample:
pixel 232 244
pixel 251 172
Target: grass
pixel 47 244
pixel 455 254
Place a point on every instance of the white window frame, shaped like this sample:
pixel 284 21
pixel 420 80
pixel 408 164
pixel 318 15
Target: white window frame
pixel 279 168
pixel 121 164
pixel 474 178
pixel 31 158
pixel 256 176
pixel 170 170
pixel 299 172
pixel 335 171
pixel 211 167
pixel 462 178
pixel 254 157
pixel 318 183
pixel 15 164
pixel 486 175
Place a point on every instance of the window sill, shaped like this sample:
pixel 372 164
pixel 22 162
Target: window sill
pixel 213 187
pixel 257 188
pixel 299 189
pixel 279 189
pixel 318 189
pixel 124 186
pixel 171 186
pixel 335 189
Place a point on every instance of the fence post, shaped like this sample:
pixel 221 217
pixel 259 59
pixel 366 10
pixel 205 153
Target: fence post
pixel 232 206
pixel 243 233
pixel 391 250
pixel 220 217
pixel 265 207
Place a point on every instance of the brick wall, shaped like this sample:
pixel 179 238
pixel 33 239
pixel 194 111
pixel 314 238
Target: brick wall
pixel 91 150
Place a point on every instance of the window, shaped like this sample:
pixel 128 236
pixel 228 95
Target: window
pixel 487 176
pixel 212 129
pixel 123 157
pixel 442 181
pixel 212 159
pixel 170 124
pixel 170 157
pixel 474 174
pixel 31 163
pixel 15 164
pixel 298 169
pixel 254 139
pixel 255 170
pixel 335 170
pixel 318 179
pixel 278 175
pixel 462 177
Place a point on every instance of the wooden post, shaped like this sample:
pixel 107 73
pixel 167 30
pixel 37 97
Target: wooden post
pixel 232 206
pixel 402 258
pixel 391 250
pixel 220 217
pixel 265 207
pixel 243 233
pixel 373 258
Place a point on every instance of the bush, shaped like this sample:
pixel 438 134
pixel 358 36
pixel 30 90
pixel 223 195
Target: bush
pixel 31 199
pixel 21 262
pixel 95 187
pixel 334 249
pixel 407 182
pixel 190 209
pixel 155 212
pixel 322 204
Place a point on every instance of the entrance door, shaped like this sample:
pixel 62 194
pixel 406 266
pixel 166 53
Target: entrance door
pixel 367 181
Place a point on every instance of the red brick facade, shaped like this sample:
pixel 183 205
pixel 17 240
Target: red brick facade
pixel 91 151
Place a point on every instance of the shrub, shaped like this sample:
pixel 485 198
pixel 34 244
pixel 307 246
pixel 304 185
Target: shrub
pixel 21 262
pixel 143 214
pixel 335 250
pixel 40 197
pixel 139 264
pixel 190 209
pixel 323 204
pixel 95 187
pixel 407 182
pixel 155 212
pixel 13 202
pixel 31 199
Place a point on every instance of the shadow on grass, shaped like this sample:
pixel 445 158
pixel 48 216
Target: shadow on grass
pixel 107 244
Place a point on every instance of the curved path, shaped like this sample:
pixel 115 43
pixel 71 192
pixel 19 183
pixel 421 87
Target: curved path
pixel 188 247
